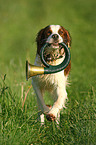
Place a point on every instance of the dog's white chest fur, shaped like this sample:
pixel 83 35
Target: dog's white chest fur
pixel 50 81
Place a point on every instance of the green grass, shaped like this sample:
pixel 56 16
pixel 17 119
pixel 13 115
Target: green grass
pixel 19 23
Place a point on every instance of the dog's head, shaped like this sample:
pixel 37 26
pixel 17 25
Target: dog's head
pixel 53 35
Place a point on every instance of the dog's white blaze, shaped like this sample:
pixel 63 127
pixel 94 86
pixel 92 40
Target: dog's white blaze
pixel 55 28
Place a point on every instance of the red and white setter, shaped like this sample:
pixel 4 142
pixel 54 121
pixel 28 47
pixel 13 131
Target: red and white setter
pixel 55 83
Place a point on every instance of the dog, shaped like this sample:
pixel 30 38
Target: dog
pixel 55 83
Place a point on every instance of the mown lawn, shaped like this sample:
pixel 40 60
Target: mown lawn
pixel 19 23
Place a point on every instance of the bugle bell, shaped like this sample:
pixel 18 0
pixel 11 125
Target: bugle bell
pixel 32 70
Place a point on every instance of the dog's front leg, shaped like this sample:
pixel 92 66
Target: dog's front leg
pixel 42 108
pixel 61 95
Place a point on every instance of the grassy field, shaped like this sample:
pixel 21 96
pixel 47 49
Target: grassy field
pixel 19 23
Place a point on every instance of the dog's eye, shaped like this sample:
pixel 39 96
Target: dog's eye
pixel 49 33
pixel 61 32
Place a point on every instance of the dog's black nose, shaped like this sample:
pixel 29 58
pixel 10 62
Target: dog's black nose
pixel 55 36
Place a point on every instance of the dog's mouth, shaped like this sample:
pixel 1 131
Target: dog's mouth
pixel 53 52
pixel 55 45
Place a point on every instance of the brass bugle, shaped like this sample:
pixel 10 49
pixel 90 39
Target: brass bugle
pixel 32 70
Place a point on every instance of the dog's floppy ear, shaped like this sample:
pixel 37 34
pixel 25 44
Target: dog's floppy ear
pixel 39 40
pixel 39 35
pixel 66 36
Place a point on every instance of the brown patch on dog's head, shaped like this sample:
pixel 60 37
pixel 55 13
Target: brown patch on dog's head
pixel 42 37
pixel 65 35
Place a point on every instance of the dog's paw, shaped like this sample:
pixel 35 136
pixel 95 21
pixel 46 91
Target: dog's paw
pixel 50 117
pixel 49 106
